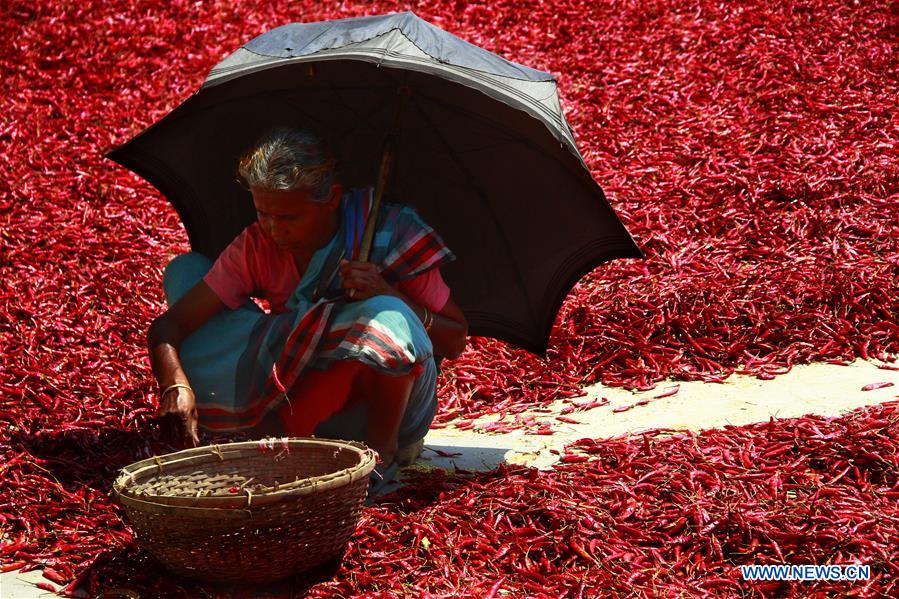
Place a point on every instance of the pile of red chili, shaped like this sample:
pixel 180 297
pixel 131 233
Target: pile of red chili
pixel 749 147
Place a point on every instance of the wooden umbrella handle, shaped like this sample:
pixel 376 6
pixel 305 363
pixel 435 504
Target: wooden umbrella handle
pixel 404 92
pixel 369 235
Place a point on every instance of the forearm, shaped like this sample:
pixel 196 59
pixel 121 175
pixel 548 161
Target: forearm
pixel 448 335
pixel 164 343
pixel 169 330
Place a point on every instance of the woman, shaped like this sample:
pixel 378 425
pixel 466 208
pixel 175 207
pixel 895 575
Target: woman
pixel 348 348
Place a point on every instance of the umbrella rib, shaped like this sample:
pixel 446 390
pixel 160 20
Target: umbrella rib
pixel 505 241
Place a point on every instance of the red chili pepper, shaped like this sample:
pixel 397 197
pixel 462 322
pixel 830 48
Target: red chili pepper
pixel 55 576
pixel 873 386
pixel 13 566
pixel 668 393
pixel 495 588
pixel 572 458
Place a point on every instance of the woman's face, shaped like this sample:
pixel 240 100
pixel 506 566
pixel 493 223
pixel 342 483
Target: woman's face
pixel 293 220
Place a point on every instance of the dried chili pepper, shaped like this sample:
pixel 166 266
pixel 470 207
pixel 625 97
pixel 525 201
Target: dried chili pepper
pixel 873 386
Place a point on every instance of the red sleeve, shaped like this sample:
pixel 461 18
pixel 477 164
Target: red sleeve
pixel 428 290
pixel 231 277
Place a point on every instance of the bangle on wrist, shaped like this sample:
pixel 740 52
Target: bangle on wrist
pixel 429 319
pixel 173 387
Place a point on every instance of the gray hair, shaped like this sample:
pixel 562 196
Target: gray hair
pixel 286 159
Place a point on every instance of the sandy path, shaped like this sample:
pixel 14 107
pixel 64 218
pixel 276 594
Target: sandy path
pixel 823 389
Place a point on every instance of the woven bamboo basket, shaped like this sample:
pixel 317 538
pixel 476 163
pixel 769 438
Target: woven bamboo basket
pixel 252 512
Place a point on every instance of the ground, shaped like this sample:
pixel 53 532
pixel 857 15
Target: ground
pixel 822 389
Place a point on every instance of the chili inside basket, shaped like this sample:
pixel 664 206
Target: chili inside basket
pixel 250 512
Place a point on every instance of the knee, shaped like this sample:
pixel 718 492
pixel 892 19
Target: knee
pixel 386 303
pixel 190 264
pixel 390 310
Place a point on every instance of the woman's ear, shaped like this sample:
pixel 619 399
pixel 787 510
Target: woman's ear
pixel 333 202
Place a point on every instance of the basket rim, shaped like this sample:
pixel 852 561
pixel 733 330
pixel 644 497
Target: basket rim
pixel 231 451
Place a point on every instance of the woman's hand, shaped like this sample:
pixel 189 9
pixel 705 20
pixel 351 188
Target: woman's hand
pixel 177 415
pixel 363 280
pixel 449 328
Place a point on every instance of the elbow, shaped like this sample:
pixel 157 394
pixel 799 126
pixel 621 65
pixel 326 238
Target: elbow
pixel 162 330
pixel 455 349
pixel 455 352
pixel 154 333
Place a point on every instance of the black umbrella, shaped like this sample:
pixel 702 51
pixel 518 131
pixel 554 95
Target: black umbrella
pixel 483 153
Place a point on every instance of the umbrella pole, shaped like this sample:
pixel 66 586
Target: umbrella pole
pixel 369 234
pixel 404 91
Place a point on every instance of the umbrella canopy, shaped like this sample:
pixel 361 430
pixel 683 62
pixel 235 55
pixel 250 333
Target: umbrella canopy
pixel 484 154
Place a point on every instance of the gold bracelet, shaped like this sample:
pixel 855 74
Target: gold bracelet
pixel 429 319
pixel 175 386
